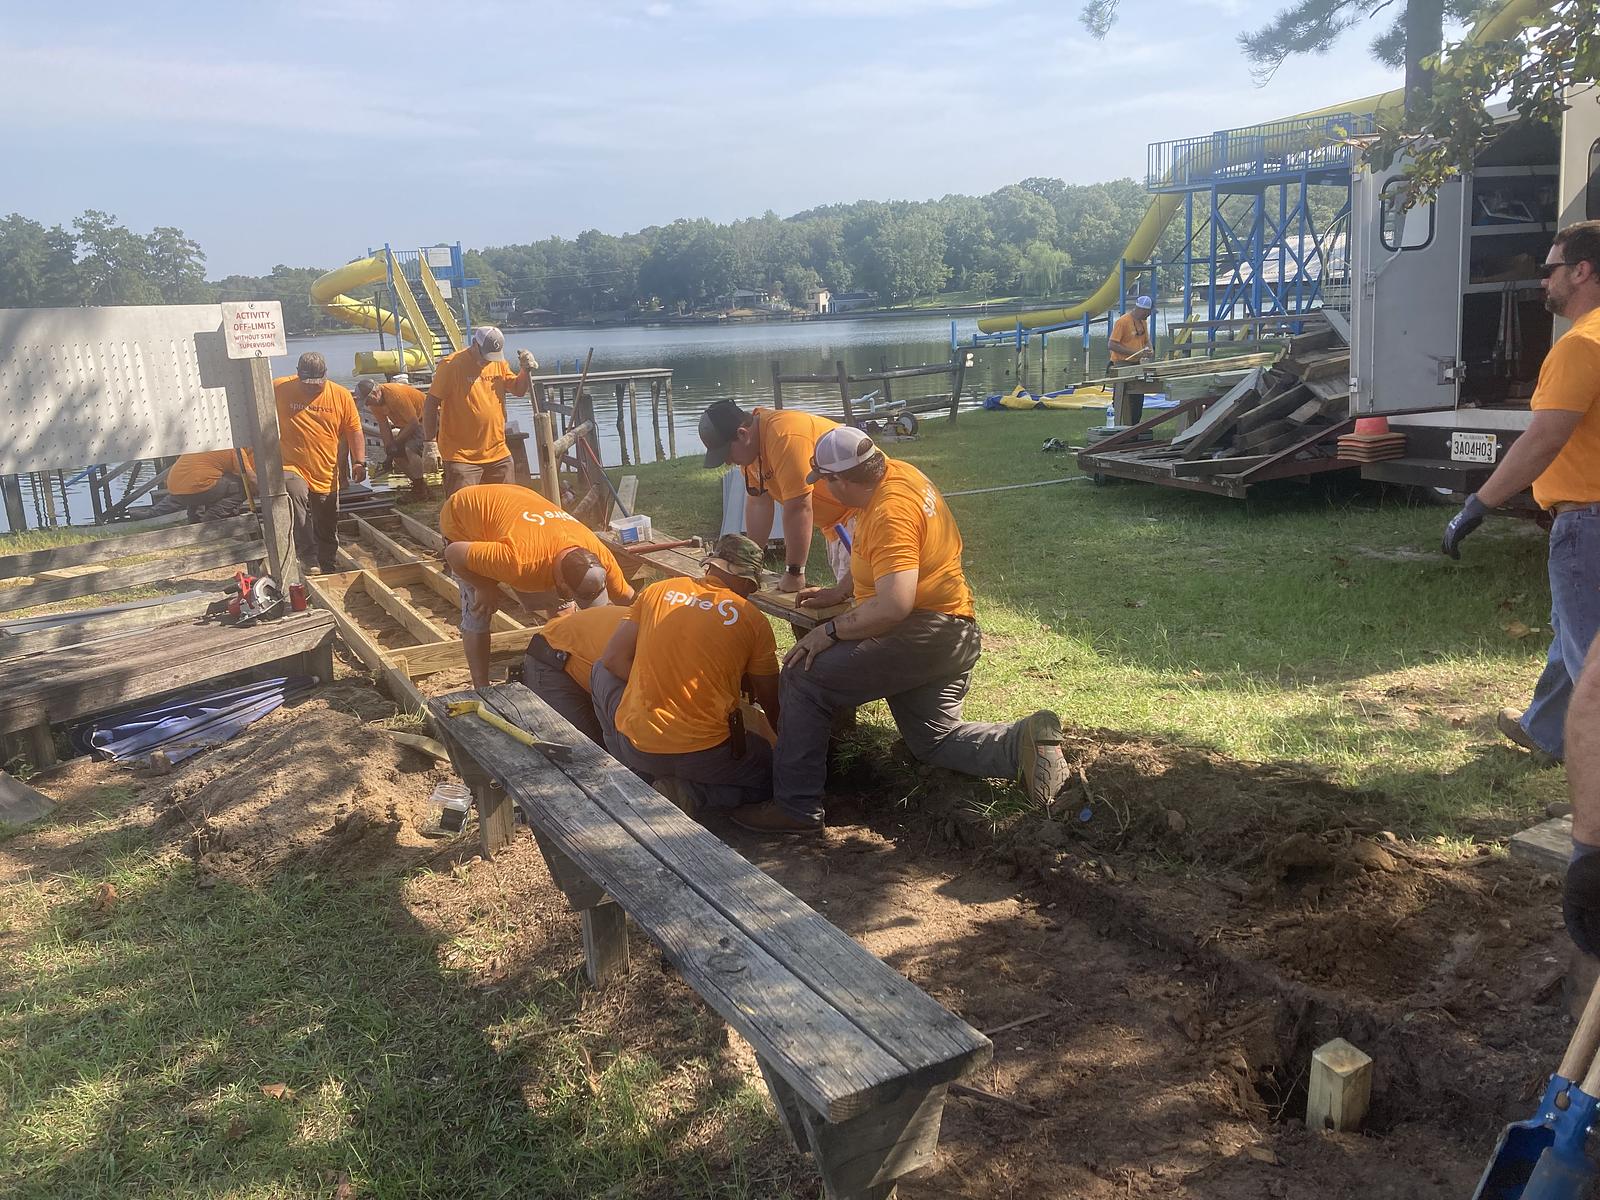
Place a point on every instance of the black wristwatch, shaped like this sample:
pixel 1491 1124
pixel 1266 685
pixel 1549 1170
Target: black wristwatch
pixel 794 568
pixel 832 629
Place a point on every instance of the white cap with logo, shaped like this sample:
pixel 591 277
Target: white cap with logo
pixel 838 450
pixel 489 342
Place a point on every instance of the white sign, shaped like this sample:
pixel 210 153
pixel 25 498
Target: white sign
pixel 1474 448
pixel 253 329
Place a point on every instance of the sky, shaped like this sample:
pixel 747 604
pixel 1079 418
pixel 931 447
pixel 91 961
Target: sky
pixel 305 131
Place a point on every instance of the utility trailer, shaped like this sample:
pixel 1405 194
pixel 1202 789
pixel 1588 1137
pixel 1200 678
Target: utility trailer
pixel 1448 327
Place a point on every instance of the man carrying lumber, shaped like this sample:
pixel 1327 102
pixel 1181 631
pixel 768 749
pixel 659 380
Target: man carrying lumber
pixel 464 416
pixel 561 658
pixel 1130 336
pixel 1559 456
pixel 198 481
pixel 501 533
pixel 667 689
pixel 774 447
pixel 314 415
pixel 396 409
pixel 911 639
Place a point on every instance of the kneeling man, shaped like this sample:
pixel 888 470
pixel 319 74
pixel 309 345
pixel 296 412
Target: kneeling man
pixel 667 687
pixel 911 640
pixel 561 658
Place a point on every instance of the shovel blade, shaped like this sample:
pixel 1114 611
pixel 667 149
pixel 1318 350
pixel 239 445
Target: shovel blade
pixel 1515 1156
pixel 1559 1176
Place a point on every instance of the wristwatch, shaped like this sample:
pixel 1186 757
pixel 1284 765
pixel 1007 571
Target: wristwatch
pixel 794 568
pixel 832 629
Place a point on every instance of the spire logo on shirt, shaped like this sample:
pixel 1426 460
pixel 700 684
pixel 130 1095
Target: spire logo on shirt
pixel 726 609
pixel 539 518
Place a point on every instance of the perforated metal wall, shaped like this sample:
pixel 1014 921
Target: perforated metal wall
pixel 98 385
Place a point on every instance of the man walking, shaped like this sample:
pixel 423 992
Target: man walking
pixel 313 416
pixel 911 640
pixel 1559 456
pixel 774 447
pixel 396 409
pixel 667 688
pixel 464 416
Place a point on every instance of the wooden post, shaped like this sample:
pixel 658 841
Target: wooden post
pixel 549 467
pixel 844 391
pixel 655 417
pixel 1340 1088
pixel 261 411
pixel 497 817
pixel 960 371
pixel 888 394
pixel 633 420
pixel 777 386
pixel 605 943
pixel 622 433
pixel 672 432
pixel 539 403
pixel 16 514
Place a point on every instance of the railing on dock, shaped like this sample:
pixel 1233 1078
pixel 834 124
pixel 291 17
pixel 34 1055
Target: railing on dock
pixel 955 370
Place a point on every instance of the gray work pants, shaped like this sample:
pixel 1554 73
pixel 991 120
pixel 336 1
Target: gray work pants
pixel 316 523
pixel 921 667
pixel 458 475
pixel 228 487
pixel 716 777
pixel 561 692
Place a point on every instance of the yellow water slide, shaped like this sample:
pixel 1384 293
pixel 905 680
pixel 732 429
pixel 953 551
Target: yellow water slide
pixel 1498 24
pixel 330 293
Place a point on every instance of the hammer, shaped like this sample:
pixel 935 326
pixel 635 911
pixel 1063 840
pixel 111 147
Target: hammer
pixel 651 547
pixel 472 708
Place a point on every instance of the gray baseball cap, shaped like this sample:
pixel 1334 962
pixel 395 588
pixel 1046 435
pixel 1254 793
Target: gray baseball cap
pixel 488 341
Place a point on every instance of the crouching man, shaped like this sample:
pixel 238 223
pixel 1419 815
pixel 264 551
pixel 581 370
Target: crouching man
pixel 561 659
pixel 911 640
pixel 501 533
pixel 667 687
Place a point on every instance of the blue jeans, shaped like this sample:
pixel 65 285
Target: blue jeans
pixel 1574 621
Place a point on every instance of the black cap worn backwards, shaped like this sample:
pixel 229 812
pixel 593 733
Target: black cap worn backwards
pixel 719 425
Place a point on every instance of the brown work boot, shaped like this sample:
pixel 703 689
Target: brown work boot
pixel 1509 722
pixel 767 817
pixel 1044 769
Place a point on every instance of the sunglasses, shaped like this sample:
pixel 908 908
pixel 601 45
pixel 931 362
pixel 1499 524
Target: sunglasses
pixel 1546 270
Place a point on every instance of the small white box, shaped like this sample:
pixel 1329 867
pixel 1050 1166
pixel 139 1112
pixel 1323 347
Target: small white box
pixel 631 530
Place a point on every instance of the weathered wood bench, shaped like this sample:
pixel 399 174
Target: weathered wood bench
pixel 856 1057
pixel 79 667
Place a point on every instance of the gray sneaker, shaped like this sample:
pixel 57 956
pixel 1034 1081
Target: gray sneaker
pixel 1044 769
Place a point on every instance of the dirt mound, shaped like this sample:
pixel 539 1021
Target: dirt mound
pixel 321 787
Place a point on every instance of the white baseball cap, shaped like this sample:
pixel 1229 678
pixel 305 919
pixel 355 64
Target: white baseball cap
pixel 838 450
pixel 489 342
pixel 1144 302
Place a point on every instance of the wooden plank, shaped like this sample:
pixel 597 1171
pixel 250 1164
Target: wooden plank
pixel 328 592
pixel 20 804
pixel 861 1159
pixel 171 537
pixel 932 1043
pixel 1274 407
pixel 605 943
pixel 411 619
pixel 569 439
pixel 449 654
pixel 1340 1090
pixel 1217 466
pixel 831 1064
pixel 99 625
pixel 1547 845
pixel 628 492
pixel 420 533
pixel 381 541
pixel 116 578
pixel 448 589
pixel 1217 420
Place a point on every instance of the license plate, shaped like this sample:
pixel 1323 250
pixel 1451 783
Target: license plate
pixel 1474 447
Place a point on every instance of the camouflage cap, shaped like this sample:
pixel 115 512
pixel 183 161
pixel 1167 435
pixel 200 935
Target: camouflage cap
pixel 737 555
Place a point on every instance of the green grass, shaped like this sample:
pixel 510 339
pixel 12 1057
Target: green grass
pixel 1314 624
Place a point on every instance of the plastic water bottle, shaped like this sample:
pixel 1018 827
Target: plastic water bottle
pixel 453 799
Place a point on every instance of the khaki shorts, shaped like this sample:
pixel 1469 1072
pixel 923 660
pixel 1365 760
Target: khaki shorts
pixel 458 475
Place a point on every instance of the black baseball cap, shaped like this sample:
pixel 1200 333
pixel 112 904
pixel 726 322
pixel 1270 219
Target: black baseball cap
pixel 719 425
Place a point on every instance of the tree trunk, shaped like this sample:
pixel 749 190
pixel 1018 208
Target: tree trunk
pixel 1424 39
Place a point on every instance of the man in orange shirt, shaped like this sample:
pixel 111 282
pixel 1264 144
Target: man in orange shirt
pixel 501 533
pixel 774 449
pixel 1130 336
pixel 464 417
pixel 198 481
pixel 667 688
pixel 396 409
pixel 313 416
pixel 561 658
pixel 911 639
pixel 1559 456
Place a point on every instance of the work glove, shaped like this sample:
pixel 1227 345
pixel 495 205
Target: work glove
pixel 430 457
pixel 1580 902
pixel 527 361
pixel 1464 522
pixel 358 472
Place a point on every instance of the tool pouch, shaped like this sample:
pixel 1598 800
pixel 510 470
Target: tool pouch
pixel 736 733
pixel 543 653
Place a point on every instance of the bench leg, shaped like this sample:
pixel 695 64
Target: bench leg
pixel 605 943
pixel 864 1157
pixel 43 746
pixel 319 662
pixel 497 818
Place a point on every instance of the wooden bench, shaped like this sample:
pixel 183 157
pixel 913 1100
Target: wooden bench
pixel 857 1059
pixel 51 673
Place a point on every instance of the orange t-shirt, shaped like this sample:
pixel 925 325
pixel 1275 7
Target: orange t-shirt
pixel 196 473
pixel 1570 381
pixel 1127 332
pixel 472 406
pixel 697 641
pixel 397 403
pixel 309 425
pixel 786 440
pixel 583 635
pixel 516 534
pixel 907 524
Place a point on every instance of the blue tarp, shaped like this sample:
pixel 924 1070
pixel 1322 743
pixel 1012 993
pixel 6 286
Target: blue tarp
pixel 184 726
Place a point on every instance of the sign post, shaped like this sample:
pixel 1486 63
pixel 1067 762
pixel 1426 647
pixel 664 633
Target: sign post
pixel 253 330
